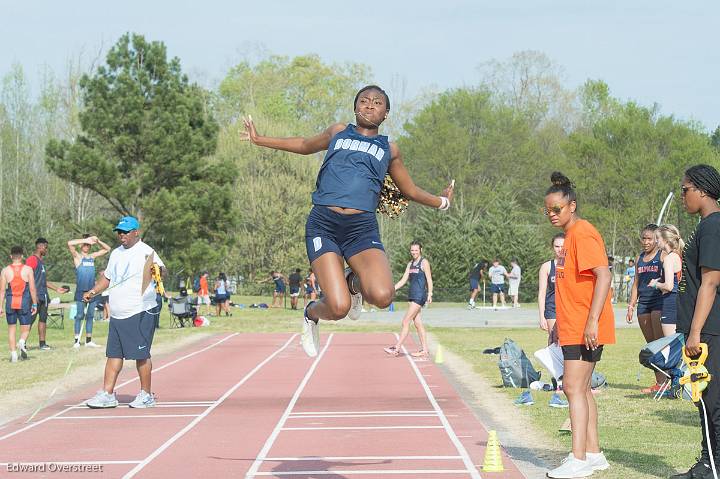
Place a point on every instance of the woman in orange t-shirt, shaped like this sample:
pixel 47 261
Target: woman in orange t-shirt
pixel 585 322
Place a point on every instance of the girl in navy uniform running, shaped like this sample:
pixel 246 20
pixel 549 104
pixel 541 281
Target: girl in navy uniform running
pixel 648 299
pixel 342 222
pixel 418 274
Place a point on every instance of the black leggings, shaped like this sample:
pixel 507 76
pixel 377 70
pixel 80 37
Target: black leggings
pixel 711 397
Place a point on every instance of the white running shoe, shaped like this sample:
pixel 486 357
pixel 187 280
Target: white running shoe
pixel 23 349
pixel 92 344
pixel 102 400
pixel 356 305
pixel 597 460
pixel 143 400
pixel 310 338
pixel 13 356
pixel 571 467
pixel 76 345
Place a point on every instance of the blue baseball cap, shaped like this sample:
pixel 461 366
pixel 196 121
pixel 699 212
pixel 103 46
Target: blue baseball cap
pixel 127 223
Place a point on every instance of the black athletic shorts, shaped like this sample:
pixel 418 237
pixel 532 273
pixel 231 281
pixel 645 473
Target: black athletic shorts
pixel 575 352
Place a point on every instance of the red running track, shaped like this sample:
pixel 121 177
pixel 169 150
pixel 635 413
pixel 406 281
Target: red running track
pixel 253 405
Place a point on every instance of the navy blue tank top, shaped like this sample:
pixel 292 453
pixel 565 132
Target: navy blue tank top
pixel 647 271
pixel 84 277
pixel 353 171
pixel 418 281
pixel 550 293
pixel 279 283
pixel 40 280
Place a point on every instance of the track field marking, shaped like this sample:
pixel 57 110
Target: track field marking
pixel 363 415
pixel 199 418
pixel 362 458
pixel 363 412
pixel 59 418
pixel 69 463
pixel 358 427
pixel 155 371
pixel 361 472
pixel 253 471
pixel 157 405
pixel 446 424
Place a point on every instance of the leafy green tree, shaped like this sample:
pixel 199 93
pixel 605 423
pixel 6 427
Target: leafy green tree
pixel 145 146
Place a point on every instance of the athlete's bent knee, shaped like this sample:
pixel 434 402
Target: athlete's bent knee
pixel 381 297
pixel 336 309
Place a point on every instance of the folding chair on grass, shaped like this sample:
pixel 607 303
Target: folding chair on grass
pixel 56 317
pixel 181 312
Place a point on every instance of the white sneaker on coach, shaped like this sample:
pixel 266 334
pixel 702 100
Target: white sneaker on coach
pixel 92 344
pixel 310 338
pixel 356 305
pixel 597 460
pixel 571 467
pixel 143 400
pixel 76 345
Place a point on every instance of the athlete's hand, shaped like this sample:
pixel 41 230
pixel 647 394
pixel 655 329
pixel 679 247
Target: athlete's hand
pixel 92 240
pixel 692 346
pixel 87 296
pixel 33 311
pixel 590 334
pixel 250 134
pixel 543 324
pixel 429 299
pixel 630 313
pixel 448 192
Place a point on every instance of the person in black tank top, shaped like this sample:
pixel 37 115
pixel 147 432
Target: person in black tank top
pixel 546 289
pixel 342 225
pixel 418 274
pixel 647 299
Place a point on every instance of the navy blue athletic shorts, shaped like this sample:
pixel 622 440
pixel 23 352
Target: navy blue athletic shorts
pixel 474 284
pixel 131 338
pixel 420 301
pixel 496 288
pixel 669 309
pixel 14 315
pixel 328 231
pixel 650 306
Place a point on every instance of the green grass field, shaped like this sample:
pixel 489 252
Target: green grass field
pixel 641 437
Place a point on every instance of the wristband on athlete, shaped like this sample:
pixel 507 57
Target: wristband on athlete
pixel 444 203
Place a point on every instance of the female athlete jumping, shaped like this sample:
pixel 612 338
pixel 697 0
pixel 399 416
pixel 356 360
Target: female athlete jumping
pixel 342 222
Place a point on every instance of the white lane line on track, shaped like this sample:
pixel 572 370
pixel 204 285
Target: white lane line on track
pixel 363 458
pixel 155 371
pixel 361 472
pixel 363 412
pixel 363 415
pixel 358 427
pixel 69 463
pixel 182 432
pixel 70 418
pixel 253 471
pixel 446 424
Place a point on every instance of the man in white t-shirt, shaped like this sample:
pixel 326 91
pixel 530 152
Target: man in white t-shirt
pixel 497 273
pixel 133 308
pixel 514 282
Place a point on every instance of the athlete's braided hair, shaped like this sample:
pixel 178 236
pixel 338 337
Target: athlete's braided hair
pixel 562 184
pixel 705 178
pixel 651 227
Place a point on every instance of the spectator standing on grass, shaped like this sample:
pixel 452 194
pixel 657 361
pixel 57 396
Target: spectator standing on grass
pixel 699 304
pixel 222 295
pixel 497 273
pixel 84 262
pixel 585 323
pixel 133 304
pixel 294 281
pixel 203 292
pixel 514 282
pixel 668 238
pixel 35 261
pixel 310 287
pixel 629 278
pixel 477 274
pixel 18 283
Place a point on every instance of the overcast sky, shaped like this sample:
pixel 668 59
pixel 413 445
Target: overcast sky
pixel 650 51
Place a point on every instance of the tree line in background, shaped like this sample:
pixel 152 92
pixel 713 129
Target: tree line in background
pixel 130 134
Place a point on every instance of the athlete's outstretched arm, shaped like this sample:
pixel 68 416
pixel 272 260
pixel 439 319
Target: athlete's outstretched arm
pixel 408 188
pixel 298 144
